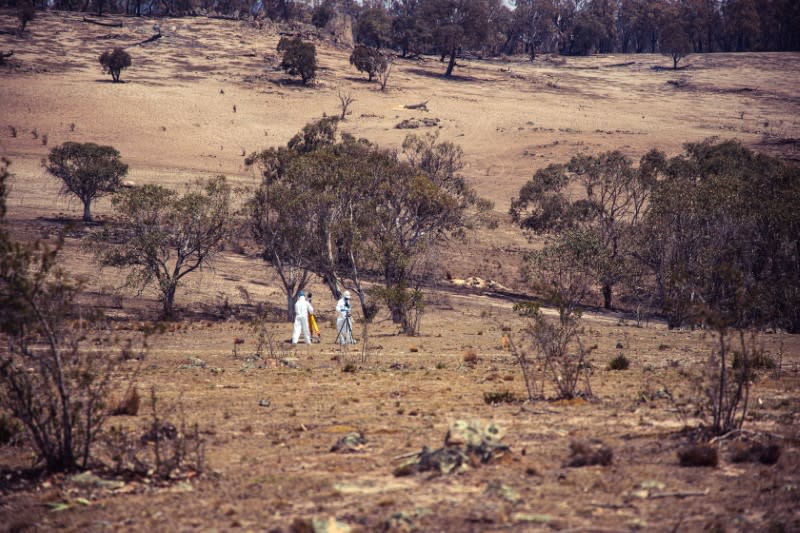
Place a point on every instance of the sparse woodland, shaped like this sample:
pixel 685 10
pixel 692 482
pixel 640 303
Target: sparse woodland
pixel 637 370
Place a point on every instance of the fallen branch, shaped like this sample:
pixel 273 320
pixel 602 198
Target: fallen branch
pixel 737 432
pixel 405 456
pixel 155 37
pixel 109 24
pixel 422 105
pixel 613 505
pixel 687 494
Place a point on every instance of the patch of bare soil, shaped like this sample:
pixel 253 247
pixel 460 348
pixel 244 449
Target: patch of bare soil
pixel 206 93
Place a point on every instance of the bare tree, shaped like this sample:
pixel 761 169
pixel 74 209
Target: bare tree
pixel 383 76
pixel 345 100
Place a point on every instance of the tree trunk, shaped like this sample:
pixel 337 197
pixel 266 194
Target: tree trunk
pixel 607 294
pixel 87 213
pixel 451 64
pixel 168 300
pixel 333 284
pixel 289 306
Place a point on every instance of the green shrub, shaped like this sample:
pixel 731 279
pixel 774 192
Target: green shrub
pixel 369 60
pixel 759 361
pixel 620 362
pixel 299 58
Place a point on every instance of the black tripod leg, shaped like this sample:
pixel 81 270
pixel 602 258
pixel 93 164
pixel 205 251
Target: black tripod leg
pixel 339 333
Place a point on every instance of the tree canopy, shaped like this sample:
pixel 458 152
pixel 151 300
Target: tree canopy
pixel 299 58
pixel 712 235
pixel 163 236
pixel 87 170
pixel 347 210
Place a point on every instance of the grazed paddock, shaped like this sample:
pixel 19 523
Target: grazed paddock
pixel 173 120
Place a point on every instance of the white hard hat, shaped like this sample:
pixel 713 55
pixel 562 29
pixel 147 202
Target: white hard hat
pixel 347 294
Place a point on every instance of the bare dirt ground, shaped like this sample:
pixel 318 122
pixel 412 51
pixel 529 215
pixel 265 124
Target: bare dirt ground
pixel 206 93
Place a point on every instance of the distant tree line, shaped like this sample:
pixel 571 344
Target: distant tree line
pixel 490 27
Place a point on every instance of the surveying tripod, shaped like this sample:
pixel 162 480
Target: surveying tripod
pixel 345 334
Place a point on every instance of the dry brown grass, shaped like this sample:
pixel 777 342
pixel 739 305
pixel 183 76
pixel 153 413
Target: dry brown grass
pixel 173 121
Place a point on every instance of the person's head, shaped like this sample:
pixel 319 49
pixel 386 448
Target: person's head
pixel 308 296
pixel 301 294
pixel 346 295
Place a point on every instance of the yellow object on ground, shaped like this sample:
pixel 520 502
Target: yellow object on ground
pixel 312 326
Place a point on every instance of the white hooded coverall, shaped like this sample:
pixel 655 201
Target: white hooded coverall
pixel 302 308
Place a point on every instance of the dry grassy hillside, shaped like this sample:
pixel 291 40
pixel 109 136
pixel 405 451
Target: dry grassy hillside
pixel 206 93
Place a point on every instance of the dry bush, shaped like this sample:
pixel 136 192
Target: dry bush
pixel 129 405
pixel 11 430
pixel 345 101
pixel 589 453
pixel 767 454
pixel 164 450
pixel 471 357
pixel 52 379
pixel 698 455
pixel 620 362
pixel 498 397
pixel 560 354
pixel 723 389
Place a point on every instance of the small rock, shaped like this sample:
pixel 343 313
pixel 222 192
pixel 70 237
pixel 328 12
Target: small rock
pixel 290 362
pixel 350 443
pixel 264 403
pixel 589 453
pixel 756 452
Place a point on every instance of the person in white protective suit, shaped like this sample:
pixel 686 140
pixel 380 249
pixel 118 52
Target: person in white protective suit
pixel 344 321
pixel 302 308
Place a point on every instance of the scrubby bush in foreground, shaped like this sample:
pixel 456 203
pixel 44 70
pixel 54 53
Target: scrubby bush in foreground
pixel 51 379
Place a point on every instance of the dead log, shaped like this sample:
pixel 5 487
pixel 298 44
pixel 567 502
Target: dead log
pixel 155 37
pixel 108 24
pixel 422 105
